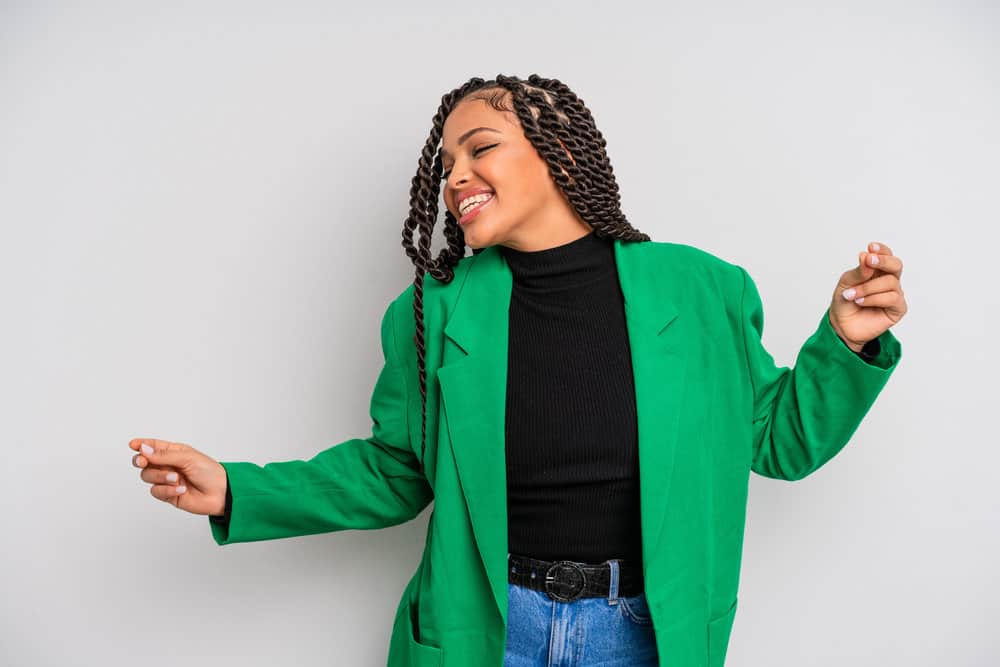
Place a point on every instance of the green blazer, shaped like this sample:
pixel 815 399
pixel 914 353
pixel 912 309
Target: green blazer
pixel 712 406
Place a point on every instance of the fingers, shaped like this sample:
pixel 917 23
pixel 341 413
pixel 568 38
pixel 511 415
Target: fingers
pixel 141 445
pixel 871 264
pixel 155 454
pixel 880 300
pixel 159 452
pixel 887 284
pixel 166 492
pixel 880 257
pixel 161 476
pixel 880 248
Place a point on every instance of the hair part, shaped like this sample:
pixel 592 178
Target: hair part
pixel 554 119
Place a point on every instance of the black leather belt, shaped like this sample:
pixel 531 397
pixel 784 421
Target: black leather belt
pixel 566 580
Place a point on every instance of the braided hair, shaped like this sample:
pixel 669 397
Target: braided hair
pixel 552 117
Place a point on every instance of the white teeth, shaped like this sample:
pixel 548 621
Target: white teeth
pixel 470 202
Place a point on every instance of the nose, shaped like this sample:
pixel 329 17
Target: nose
pixel 457 178
pixel 454 184
pixel 459 174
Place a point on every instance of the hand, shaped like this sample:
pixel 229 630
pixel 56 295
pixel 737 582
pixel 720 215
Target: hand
pixel 181 475
pixel 875 282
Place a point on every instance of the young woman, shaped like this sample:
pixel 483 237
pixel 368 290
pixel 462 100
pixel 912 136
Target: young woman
pixel 582 404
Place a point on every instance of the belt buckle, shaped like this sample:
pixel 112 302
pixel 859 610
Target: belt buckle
pixel 573 576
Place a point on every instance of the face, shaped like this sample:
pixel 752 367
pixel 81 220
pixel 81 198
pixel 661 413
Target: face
pixel 485 150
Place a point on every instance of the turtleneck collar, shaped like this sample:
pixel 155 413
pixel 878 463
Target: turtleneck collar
pixel 572 264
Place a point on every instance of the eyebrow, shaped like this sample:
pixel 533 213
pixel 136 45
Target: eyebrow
pixel 461 139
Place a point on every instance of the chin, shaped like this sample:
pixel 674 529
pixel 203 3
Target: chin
pixel 482 233
pixel 477 246
pixel 474 239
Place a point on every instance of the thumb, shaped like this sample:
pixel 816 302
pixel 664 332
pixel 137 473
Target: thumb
pixel 165 453
pixel 859 274
pixel 864 271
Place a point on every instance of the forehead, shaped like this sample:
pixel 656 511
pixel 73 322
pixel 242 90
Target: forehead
pixel 469 115
pixel 469 110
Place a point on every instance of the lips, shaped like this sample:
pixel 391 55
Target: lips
pixel 475 211
pixel 465 194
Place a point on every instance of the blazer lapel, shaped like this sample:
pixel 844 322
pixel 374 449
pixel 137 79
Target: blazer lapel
pixel 473 381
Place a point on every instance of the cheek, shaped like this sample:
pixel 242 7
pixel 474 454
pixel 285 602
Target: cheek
pixel 526 184
pixel 537 187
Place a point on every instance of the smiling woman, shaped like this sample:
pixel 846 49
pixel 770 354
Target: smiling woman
pixel 584 407
pixel 524 169
pixel 492 159
pixel 527 162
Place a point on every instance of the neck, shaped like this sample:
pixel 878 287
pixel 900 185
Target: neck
pixel 571 264
pixel 555 225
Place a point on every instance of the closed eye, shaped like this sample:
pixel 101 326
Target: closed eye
pixel 474 154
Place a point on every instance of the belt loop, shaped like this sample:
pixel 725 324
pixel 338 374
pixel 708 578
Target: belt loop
pixel 613 588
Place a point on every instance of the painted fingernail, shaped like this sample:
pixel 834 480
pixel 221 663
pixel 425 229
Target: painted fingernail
pixel 859 300
pixel 146 449
pixel 876 247
pixel 873 259
pixel 171 477
pixel 849 293
pixel 181 489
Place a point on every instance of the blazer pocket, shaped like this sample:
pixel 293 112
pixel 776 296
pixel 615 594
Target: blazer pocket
pixel 718 636
pixel 420 654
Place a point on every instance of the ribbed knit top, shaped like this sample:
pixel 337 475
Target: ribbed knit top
pixel 571 431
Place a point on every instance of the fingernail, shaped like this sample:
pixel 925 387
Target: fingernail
pixel 860 300
pixel 876 247
pixel 849 293
pixel 146 449
pixel 181 489
pixel 171 477
pixel 873 259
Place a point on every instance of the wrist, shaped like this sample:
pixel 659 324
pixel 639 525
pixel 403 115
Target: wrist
pixel 855 347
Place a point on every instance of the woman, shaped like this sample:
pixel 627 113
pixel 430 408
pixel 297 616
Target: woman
pixel 591 404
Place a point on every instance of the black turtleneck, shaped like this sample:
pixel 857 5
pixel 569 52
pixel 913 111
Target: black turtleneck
pixel 571 432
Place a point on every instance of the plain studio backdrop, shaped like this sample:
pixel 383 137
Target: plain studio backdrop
pixel 201 209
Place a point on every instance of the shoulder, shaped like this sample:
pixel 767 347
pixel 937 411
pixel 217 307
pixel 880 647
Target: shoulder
pixel 697 267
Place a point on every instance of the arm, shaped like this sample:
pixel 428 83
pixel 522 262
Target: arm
pixel 803 416
pixel 361 483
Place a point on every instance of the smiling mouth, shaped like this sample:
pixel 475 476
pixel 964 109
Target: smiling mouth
pixel 474 211
pixel 469 202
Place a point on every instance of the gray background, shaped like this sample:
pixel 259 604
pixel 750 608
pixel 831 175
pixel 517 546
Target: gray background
pixel 201 208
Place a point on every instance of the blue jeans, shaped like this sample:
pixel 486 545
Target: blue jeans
pixel 608 631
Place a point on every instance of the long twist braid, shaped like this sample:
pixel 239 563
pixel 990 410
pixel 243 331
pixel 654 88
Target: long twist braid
pixel 550 113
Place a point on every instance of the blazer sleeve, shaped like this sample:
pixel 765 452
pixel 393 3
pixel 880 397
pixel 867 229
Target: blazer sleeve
pixel 361 483
pixel 223 518
pixel 803 416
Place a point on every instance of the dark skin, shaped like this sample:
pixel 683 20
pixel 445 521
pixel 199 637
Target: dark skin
pixel 876 282
pixel 528 211
pixel 181 475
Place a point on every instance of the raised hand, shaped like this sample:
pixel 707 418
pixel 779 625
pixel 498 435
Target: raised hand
pixel 181 475
pixel 869 298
